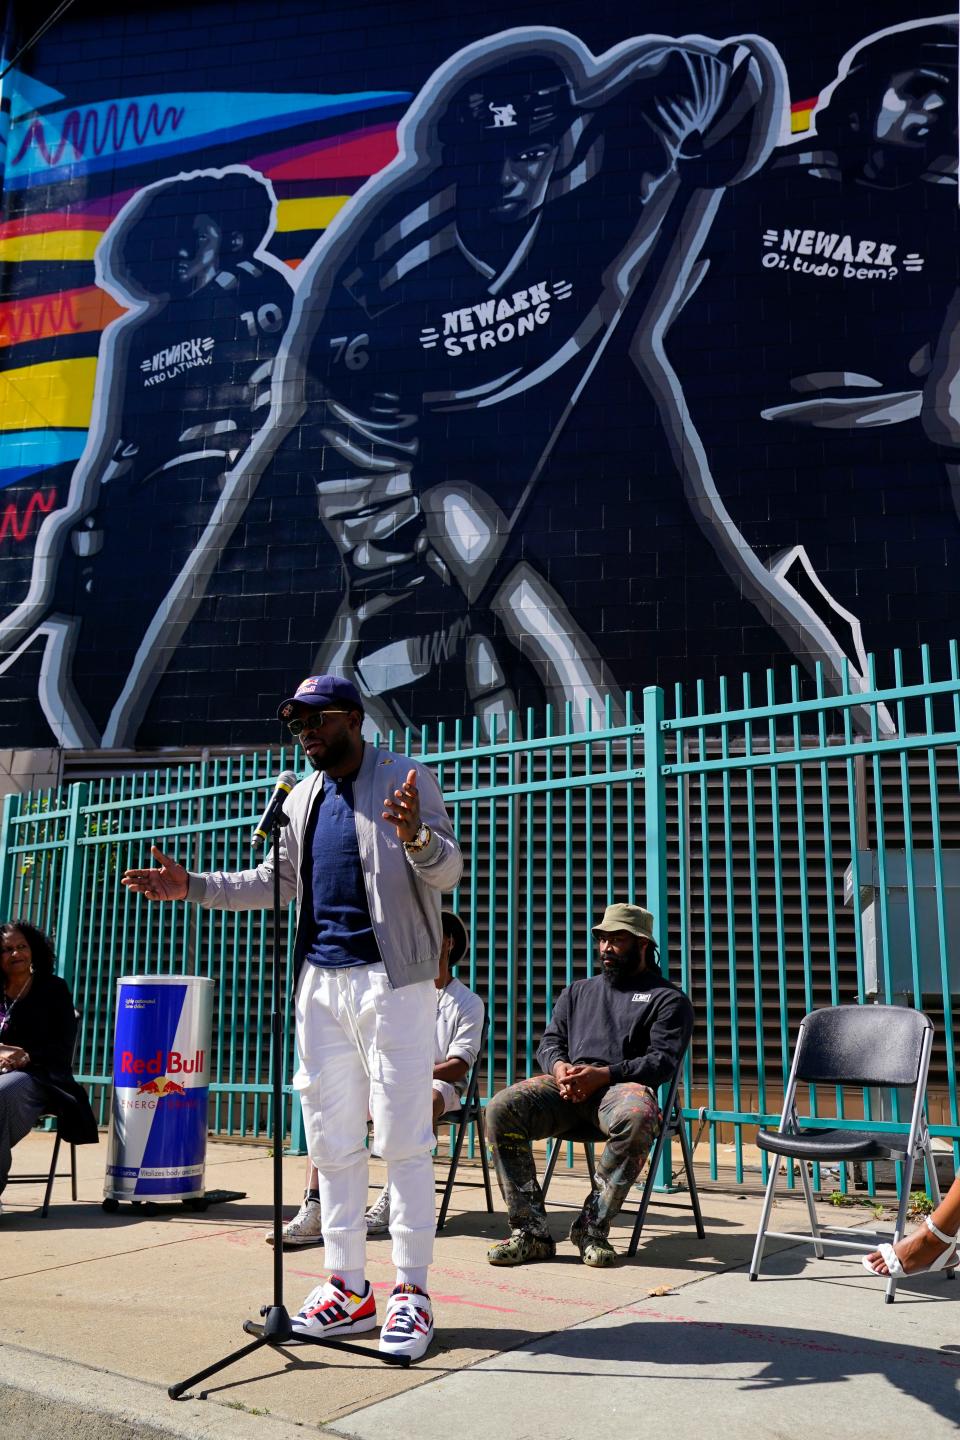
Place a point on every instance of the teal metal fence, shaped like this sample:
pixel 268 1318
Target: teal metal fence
pixel 797 850
pixel 815 842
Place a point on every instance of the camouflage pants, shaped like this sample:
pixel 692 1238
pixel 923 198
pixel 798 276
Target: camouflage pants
pixel 628 1115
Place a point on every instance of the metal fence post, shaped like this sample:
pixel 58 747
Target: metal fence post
pixel 655 815
pixel 655 832
pixel 68 914
pixel 11 809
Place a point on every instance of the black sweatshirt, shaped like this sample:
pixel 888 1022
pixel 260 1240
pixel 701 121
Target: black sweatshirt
pixel 640 1029
pixel 44 1024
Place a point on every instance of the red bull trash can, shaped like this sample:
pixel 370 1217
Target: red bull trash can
pixel 161 1076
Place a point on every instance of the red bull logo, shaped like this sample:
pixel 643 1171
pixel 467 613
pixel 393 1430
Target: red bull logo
pixel 161 1088
pixel 162 1064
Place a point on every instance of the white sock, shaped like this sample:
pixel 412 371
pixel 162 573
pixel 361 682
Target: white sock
pixel 354 1280
pixel 416 1276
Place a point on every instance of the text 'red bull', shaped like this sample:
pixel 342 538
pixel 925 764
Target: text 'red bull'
pixel 169 1062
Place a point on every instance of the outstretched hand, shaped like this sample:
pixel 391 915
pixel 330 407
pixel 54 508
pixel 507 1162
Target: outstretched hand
pixel 403 810
pixel 167 883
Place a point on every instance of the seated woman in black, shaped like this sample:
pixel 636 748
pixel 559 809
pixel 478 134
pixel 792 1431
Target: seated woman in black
pixel 37 1028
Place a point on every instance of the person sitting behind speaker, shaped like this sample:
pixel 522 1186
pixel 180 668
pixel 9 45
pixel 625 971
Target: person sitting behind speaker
pixel 611 1041
pixel 457 1043
pixel 38 1025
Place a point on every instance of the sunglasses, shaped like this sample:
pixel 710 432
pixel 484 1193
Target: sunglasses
pixel 300 723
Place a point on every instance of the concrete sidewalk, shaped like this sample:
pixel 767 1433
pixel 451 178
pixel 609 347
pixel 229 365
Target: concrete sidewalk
pixel 102 1312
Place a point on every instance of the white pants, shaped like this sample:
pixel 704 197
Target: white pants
pixel 359 1042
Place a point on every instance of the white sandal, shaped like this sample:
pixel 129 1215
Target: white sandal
pixel 946 1261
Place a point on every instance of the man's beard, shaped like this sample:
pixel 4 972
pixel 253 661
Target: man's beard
pixel 336 753
pixel 621 970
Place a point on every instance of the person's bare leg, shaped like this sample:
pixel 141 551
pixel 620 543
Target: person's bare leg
pixel 917 1251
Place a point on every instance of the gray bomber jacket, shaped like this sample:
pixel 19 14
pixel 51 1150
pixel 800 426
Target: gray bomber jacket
pixel 403 890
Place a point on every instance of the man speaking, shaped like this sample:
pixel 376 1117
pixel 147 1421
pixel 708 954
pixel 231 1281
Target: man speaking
pixel 366 853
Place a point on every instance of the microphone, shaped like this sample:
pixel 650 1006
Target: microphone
pixel 281 790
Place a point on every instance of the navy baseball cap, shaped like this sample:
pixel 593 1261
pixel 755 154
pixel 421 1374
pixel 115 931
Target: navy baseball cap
pixel 322 690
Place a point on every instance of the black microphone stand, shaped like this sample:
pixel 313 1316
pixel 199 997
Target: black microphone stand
pixel 276 1328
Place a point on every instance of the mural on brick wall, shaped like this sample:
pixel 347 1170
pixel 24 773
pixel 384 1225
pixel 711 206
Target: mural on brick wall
pixel 846 251
pixel 445 332
pixel 207 310
pixel 490 390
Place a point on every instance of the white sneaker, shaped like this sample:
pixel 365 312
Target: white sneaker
pixel 378 1216
pixel 331 1308
pixel 408 1328
pixel 303 1229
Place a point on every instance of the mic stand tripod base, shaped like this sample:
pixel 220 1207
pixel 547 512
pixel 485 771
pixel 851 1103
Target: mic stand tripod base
pixel 277 1330
pixel 277 1316
pixel 276 1326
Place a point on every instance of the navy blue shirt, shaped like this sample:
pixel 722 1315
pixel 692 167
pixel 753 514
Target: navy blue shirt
pixel 335 919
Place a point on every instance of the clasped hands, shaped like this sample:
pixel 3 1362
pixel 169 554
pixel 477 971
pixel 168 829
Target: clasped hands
pixel 12 1057
pixel 578 1082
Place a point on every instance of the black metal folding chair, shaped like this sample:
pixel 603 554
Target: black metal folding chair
pixel 52 1174
pixel 469 1113
pixel 854 1045
pixel 671 1128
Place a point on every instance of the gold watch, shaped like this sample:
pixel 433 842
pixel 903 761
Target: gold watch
pixel 420 841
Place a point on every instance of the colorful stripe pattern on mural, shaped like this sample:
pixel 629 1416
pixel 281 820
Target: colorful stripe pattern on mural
pixel 57 160
pixel 801 114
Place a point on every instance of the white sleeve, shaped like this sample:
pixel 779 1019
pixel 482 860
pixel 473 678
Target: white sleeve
pixel 465 1044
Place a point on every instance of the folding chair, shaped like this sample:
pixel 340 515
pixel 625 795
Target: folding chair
pixel 469 1113
pixel 52 1174
pixel 859 1045
pixel 672 1127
